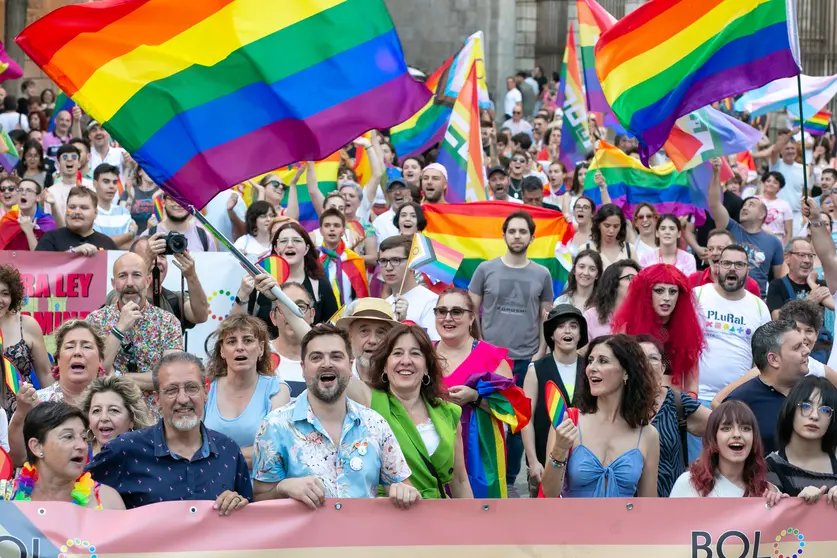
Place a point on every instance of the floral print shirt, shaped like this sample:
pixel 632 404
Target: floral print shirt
pixel 156 331
pixel 292 443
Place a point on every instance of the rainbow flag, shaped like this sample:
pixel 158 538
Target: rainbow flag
pixel 11 375
pixel 461 151
pixel 347 265
pixel 207 94
pixel 434 259
pixel 668 58
pixel 707 133
pixel 593 20
pixel 818 124
pixel 9 69
pixel 326 171
pixel 629 183
pixel 363 166
pixel 159 209
pixel 9 157
pixel 575 137
pixel 483 434
pixel 475 231
pixel 561 95
pixel 426 127
pixel 62 102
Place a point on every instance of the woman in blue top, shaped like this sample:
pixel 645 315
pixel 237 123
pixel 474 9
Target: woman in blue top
pixel 613 451
pixel 243 388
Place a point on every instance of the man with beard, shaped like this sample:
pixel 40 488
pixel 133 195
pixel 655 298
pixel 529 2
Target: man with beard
pixel 434 183
pixel 800 283
pixel 179 220
pixel 323 445
pixel 781 355
pixel 178 458
pixel 398 193
pixel 101 150
pixel 367 322
pixel 138 333
pixel 498 183
pixel 514 293
pixel 565 332
pixel 78 236
pixel 67 126
pixel 717 240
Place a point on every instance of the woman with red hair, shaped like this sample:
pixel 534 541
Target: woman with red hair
pixel 731 463
pixel 660 303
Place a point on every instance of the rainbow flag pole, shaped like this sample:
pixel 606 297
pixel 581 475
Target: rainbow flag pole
pixel 248 265
pixel 802 135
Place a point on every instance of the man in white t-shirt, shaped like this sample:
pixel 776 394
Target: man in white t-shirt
pixel 513 98
pixel 730 315
pixel 398 193
pixel 392 257
pixel 783 160
pixel 68 166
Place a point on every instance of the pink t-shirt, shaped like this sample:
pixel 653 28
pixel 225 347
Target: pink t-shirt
pixel 594 327
pixel 778 211
pixel 685 262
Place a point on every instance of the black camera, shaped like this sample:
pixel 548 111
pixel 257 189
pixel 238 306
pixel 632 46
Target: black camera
pixel 176 243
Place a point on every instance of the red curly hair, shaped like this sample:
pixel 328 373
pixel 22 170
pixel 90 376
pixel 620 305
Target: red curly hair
pixel 636 316
pixel 704 470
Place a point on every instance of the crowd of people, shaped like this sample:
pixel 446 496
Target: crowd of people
pixel 698 353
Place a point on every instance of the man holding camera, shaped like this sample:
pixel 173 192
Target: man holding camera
pixel 138 333
pixel 182 230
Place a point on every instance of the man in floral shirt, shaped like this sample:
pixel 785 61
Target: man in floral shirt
pixel 323 445
pixel 138 334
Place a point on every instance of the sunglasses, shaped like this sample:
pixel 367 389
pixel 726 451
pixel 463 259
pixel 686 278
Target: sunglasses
pixel 9 189
pixel 518 160
pixel 275 184
pixel 69 157
pixel 455 312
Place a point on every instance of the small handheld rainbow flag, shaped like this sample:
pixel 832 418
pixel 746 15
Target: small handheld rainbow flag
pixel 159 211
pixel 434 259
pixel 818 124
pixel 556 405
pixel 11 375
pixel 276 267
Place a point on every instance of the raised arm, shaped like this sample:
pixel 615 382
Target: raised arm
pixel 716 201
pixel 822 241
pixel 776 151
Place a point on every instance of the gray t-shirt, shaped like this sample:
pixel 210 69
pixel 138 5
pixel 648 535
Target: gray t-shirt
pixel 763 252
pixel 511 299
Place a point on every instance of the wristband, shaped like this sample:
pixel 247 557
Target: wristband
pixel 239 302
pixel 557 464
pixel 118 334
pixel 478 401
pixel 817 224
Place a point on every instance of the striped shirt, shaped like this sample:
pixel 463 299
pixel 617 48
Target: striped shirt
pixel 112 222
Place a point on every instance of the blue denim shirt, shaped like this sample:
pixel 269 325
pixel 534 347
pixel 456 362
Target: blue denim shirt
pixel 140 466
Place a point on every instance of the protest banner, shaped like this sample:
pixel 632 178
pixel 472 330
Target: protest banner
pixel 355 528
pixel 58 286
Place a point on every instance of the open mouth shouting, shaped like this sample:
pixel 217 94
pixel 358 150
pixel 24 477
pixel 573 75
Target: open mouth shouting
pixel 738 448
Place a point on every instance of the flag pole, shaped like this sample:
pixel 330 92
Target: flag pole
pixel 587 98
pixel 802 131
pixel 248 265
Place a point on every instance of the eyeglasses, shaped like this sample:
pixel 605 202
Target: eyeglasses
pixel 517 113
pixel 804 255
pixel 629 277
pixel 455 312
pixel 806 408
pixel 383 262
pixel 518 159
pixel 303 306
pixel 645 217
pixel 27 191
pixel 295 240
pixel 9 189
pixel 275 184
pixel 726 264
pixel 191 389
pixel 69 157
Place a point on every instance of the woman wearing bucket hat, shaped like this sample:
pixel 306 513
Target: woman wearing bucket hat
pixel 565 331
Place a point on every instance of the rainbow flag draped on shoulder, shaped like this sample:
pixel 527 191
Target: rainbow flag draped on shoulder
pixel 427 126
pixel 476 231
pixel 207 94
pixel 346 272
pixel 671 57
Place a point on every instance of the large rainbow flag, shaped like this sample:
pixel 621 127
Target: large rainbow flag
pixel 427 126
pixel 593 20
pixel 575 137
pixel 629 183
pixel 461 150
pixel 475 230
pixel 671 57
pixel 207 94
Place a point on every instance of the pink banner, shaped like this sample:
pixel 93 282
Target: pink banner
pixel 638 528
pixel 58 286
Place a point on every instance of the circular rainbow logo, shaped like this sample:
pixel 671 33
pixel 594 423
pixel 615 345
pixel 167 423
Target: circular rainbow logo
pixel 787 536
pixel 222 296
pixel 83 547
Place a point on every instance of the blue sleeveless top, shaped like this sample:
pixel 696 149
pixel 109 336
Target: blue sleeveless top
pixel 244 427
pixel 588 478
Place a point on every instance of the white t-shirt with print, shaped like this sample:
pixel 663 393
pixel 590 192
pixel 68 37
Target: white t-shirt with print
pixel 421 301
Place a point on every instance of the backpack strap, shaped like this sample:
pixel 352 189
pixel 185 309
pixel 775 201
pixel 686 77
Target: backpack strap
pixel 204 239
pixel 789 288
pixel 681 425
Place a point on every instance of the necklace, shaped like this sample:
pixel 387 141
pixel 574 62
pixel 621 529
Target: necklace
pixel 25 484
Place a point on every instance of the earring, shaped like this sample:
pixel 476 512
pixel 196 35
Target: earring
pixel 384 378
pixel 426 380
pixel 41 454
pixel 625 380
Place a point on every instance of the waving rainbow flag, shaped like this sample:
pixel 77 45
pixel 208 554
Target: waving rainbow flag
pixel 593 20
pixel 671 57
pixel 475 230
pixel 817 125
pixel 427 126
pixel 575 138
pixel 434 259
pixel 461 151
pixel 207 94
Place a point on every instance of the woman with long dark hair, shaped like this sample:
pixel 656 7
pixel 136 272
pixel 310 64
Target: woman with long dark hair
pixel 611 292
pixel 583 280
pixel 33 165
pixel 669 230
pixel 612 451
pixel 645 224
pixel 609 235
pixel 660 303
pixel 256 242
